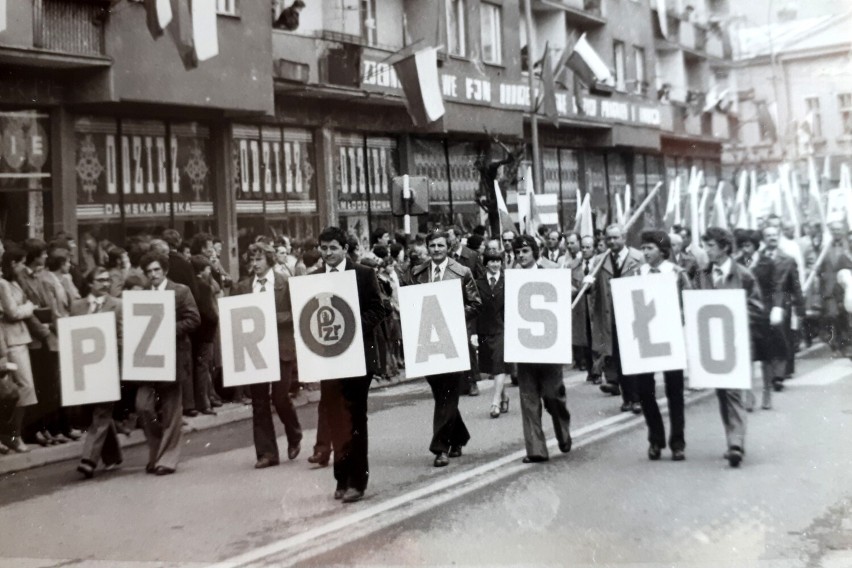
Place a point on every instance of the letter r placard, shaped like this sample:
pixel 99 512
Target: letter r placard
pixel 718 343
pixel 249 331
pixel 648 323
pixel 150 335
pixel 538 316
pixel 88 359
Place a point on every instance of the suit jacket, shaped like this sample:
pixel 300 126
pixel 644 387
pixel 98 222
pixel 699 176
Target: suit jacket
pixel 580 313
pixel 832 294
pixel 180 272
pixel 187 321
pixel 490 320
pixel 81 307
pixel 470 258
pixel 59 298
pixel 283 312
pixel 470 294
pixel 601 313
pixel 208 310
pixel 16 320
pixel 372 312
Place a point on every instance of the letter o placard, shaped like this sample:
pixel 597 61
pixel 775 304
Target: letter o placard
pixel 328 330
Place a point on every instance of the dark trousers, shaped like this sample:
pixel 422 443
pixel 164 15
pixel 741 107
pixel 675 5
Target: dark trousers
pixel 448 428
pixel 645 389
pixel 202 375
pixel 323 443
pixel 345 405
pixel 542 383
pixel 186 379
pixel 101 442
pixel 614 374
pixel 263 397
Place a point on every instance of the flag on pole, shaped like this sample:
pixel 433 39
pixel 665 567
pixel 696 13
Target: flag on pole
pixel 158 16
pixel 702 210
pixel 205 33
pixel 524 202
pixel 678 216
pixel 720 215
pixel 548 89
pixel 182 33
pixel 826 168
pixel 627 201
pixel 578 215
pixel 418 74
pixel 587 228
pixel 662 18
pixel 845 177
pixel 506 223
pixel 587 65
pixel 619 210
pixel 3 15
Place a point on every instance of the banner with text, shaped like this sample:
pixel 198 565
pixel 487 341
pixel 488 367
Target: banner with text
pixel 327 321
pixel 150 335
pixel 538 316
pixel 647 319
pixel 88 359
pixel 434 334
pixel 249 331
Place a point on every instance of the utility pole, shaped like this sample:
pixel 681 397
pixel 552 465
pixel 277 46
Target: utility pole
pixel 533 119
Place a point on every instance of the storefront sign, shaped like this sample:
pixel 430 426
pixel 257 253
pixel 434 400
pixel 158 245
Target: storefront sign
pixel 473 90
pixel 24 145
pixel 364 173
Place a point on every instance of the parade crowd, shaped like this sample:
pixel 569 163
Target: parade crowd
pixel 44 281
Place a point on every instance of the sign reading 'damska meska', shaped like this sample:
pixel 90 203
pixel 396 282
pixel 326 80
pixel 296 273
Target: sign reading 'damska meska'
pixel 475 90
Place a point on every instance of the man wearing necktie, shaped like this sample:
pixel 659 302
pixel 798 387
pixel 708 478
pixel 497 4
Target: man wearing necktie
pixel 508 254
pixel 449 431
pixel 722 273
pixel 581 325
pixel 343 402
pixel 469 258
pixel 265 280
pixel 101 441
pixel 164 435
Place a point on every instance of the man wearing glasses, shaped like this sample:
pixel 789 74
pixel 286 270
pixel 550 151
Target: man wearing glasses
pixel 508 252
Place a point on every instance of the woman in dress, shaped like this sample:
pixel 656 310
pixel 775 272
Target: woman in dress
pixel 489 330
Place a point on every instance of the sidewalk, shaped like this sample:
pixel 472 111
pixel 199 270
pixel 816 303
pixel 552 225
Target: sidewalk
pixel 230 412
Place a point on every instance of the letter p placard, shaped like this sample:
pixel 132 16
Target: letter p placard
pixel 88 359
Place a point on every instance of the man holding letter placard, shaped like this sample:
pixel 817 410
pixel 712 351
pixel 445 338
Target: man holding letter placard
pixel 724 274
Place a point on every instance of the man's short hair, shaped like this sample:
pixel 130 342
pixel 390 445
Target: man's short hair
pixel 659 239
pixel 574 234
pixel 56 258
pixel 334 234
pixel 525 241
pixel 722 237
pixel 159 245
pixel 199 242
pixel 618 226
pixel 436 235
pixel 457 231
pixel 35 248
pixel 474 242
pixel 199 263
pixel 490 255
pixel 172 238
pixel 377 234
pixel 154 256
pixel 90 276
pixel 743 236
pixel 264 249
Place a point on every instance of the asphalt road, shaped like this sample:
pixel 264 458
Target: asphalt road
pixel 604 504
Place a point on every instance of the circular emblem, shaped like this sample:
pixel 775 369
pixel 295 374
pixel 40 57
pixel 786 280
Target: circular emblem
pixel 327 328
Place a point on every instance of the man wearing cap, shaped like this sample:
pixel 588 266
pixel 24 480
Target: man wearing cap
pixel 656 247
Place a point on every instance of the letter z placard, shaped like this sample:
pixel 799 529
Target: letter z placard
pixel 150 332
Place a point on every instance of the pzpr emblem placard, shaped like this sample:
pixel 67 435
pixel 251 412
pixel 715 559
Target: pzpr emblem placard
pixel 327 325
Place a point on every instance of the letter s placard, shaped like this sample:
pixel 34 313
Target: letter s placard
pixel 150 335
pixel 718 343
pixel 648 323
pixel 538 316
pixel 249 331
pixel 88 359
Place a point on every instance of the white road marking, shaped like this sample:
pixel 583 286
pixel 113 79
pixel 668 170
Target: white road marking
pixel 826 375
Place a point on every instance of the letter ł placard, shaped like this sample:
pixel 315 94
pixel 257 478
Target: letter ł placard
pixel 150 335
pixel 648 323
pixel 249 332
pixel 327 322
pixel 718 343
pixel 434 334
pixel 538 316
pixel 88 359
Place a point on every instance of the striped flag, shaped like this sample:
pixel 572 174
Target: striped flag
pixel 158 16
pixel 205 34
pixel 586 228
pixel 506 223
pixel 720 214
pixel 418 74
pixel 3 15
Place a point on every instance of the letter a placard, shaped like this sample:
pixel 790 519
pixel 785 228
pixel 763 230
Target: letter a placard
pixel 327 322
pixel 718 345
pixel 647 318
pixel 88 359
pixel 434 334
pixel 538 316
pixel 249 332
pixel 150 335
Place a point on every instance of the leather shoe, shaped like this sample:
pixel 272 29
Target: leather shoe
pixel 535 459
pixel 86 469
pixel 636 408
pixel 293 451
pixel 209 412
pixel 455 452
pixel 319 458
pixel 339 493
pixel 566 447
pixel 778 384
pixel 654 452
pixel 678 455
pixel 442 460
pixel 352 495
pixel 163 470
pixel 734 456
pixel 150 468
pixel 73 434
pixel 264 462
pixel 474 389
pixel 610 389
pixel 626 407
pixel 190 413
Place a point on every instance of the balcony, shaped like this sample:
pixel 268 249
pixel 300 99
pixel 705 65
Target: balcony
pixel 55 34
pixel 579 14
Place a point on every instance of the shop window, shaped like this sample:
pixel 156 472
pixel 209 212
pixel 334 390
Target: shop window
pixel 24 173
pixel 492 33
pixel 456 33
pixel 812 108
pixel 844 104
pixel 618 59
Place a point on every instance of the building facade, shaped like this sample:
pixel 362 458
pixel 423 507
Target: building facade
pixel 108 132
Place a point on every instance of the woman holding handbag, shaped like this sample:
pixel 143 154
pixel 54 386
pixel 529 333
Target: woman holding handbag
pixel 16 314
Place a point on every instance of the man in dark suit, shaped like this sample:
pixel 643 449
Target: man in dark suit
pixel 265 280
pixel 343 402
pixel 203 340
pixel 449 431
pixel 469 258
pixel 683 258
pixel 101 442
pixel 581 328
pixel 164 435
pixel 724 274
pixel 835 325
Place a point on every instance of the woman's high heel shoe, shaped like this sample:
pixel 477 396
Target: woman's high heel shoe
pixel 495 411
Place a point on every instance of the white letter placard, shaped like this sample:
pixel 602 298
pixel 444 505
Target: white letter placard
pixel 648 322
pixel 88 359
pixel 150 335
pixel 249 331
pixel 538 316
pixel 327 321
pixel 434 334
pixel 718 344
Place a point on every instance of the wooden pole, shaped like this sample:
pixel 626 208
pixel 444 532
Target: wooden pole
pixel 627 225
pixel 533 117
pixel 812 276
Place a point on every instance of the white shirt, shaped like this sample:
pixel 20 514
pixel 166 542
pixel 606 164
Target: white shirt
pixel 339 268
pixel 622 256
pixel 725 267
pixel 494 277
pixel 442 266
pixel 162 286
pixel 93 301
pixel 269 284
pixel 664 268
